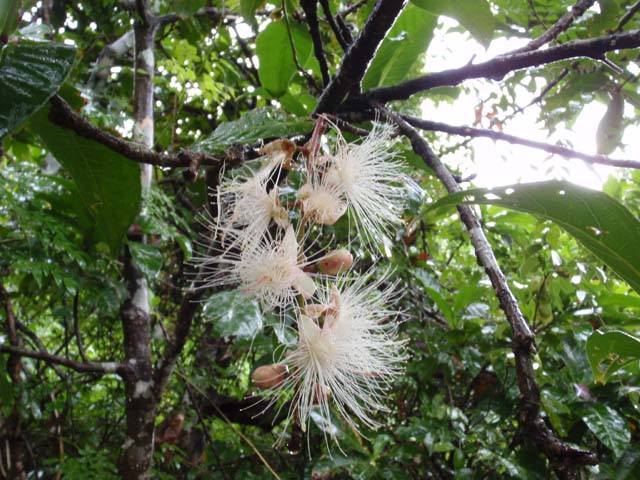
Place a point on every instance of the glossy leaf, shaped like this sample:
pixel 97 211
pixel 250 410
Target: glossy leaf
pixel 277 65
pixel 30 73
pixel 602 225
pixel 608 352
pixel 109 183
pixel 233 315
pixel 474 15
pixel 608 426
pixel 405 43
pixel 148 258
pixel 256 125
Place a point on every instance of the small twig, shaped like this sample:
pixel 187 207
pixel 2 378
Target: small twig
pixel 334 26
pixel 547 147
pixel 560 26
pixel 310 80
pixel 627 16
pixel 310 11
pixel 236 430
pixel 352 8
pixel 88 367
pixel 550 86
pixel 76 328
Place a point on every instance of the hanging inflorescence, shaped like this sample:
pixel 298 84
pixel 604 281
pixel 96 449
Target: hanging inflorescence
pixel 347 351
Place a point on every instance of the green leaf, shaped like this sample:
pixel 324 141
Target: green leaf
pixel 273 48
pixel 30 73
pixel 188 7
pixel 6 387
pixel 248 9
pixel 405 43
pixel 9 16
pixel 474 15
pixel 604 226
pixel 608 426
pixel 109 184
pixel 148 258
pixel 610 130
pixel 258 124
pixel 614 349
pixel 233 315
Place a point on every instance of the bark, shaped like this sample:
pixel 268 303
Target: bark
pixel 141 404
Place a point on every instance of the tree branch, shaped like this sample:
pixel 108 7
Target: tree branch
pixel 311 14
pixel 504 137
pixel 560 26
pixel 83 367
pixel 627 16
pixel 64 116
pixel 188 309
pixel 334 26
pixel 105 60
pixel 356 60
pixel 310 80
pixel 498 67
pixel 564 459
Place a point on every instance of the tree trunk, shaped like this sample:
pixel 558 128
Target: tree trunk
pixel 140 404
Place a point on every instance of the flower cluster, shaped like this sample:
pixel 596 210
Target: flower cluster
pixel 347 351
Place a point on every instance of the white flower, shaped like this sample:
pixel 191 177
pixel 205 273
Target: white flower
pixel 246 203
pixel 270 270
pixel 372 182
pixel 322 202
pixel 347 353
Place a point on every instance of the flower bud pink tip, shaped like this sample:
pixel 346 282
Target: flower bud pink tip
pixel 336 261
pixel 269 376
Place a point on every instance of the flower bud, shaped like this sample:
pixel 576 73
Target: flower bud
pixel 336 261
pixel 280 150
pixel 269 376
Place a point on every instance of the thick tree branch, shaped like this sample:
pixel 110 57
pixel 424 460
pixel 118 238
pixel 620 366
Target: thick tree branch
pixel 355 61
pixel 83 367
pixel 498 67
pixel 560 26
pixel 504 137
pixel 64 116
pixel 564 459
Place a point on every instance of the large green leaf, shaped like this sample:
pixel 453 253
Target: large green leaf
pixel 614 349
pixel 233 315
pixel 608 426
pixel 30 73
pixel 256 125
pixel 109 183
pixel 601 224
pixel 277 65
pixel 474 15
pixel 403 46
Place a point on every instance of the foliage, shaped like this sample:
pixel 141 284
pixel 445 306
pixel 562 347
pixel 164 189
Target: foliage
pixel 225 84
